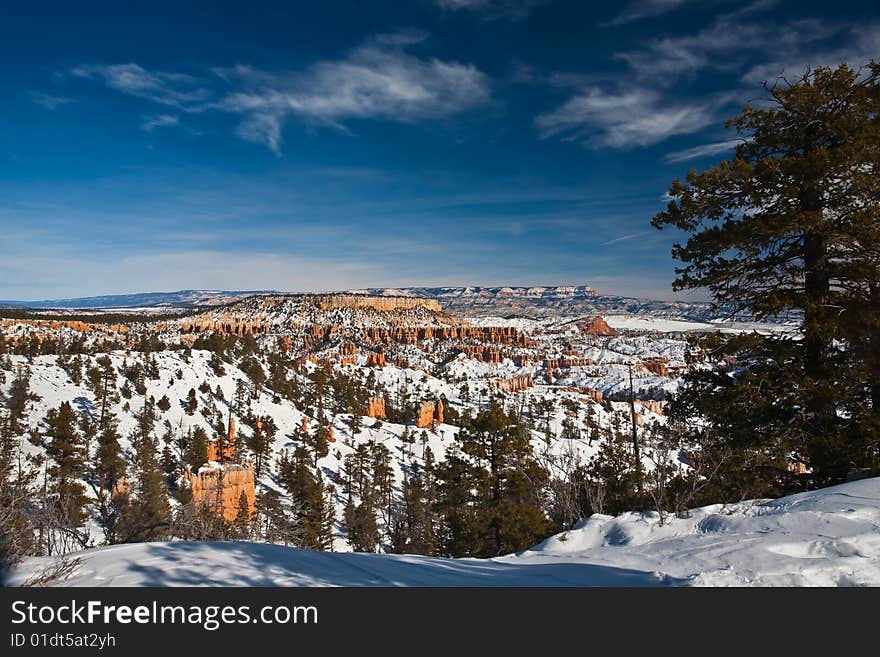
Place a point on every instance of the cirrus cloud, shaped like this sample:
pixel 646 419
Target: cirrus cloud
pixel 638 117
pixel 379 80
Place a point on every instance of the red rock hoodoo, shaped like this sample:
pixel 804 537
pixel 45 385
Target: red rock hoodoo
pixel 430 414
pixel 376 408
pixel 514 384
pixel 220 489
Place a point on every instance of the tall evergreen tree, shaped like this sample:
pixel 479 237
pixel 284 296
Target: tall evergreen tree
pixel 507 511
pixel 148 514
pixel 790 224
pixel 64 446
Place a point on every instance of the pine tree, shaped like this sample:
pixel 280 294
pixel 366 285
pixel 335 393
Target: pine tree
pixel 65 447
pixel 102 381
pixel 457 498
pixel 296 475
pixel 196 453
pixel 260 441
pixel 791 224
pixel 360 520
pixel 506 512
pixel 241 526
pixel 148 514
pixel 326 517
pixel 19 399
pixel 191 404
pixel 111 491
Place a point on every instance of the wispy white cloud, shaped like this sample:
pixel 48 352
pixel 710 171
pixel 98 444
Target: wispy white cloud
pixel 639 9
pixel 49 101
pixel 862 43
pixel 624 238
pixel 150 123
pixel 174 89
pixel 703 150
pixel 378 80
pixel 729 42
pixel 637 117
pixel 493 9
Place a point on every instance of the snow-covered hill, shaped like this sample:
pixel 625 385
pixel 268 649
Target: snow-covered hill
pixel 829 537
pixel 179 373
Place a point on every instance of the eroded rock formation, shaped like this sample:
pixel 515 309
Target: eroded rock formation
pixel 220 489
pixel 376 408
pixel 652 405
pixel 227 324
pixel 657 365
pixel 430 414
pixel 514 384
pixel 388 304
pixel 596 326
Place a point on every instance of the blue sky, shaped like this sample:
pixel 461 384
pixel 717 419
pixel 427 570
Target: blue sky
pixel 319 146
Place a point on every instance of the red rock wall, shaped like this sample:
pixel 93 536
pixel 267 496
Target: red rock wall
pixel 221 489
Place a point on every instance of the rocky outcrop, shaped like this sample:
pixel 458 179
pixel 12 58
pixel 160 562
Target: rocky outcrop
pixel 220 489
pixel 413 335
pixel 376 359
pixel 331 434
pixel 430 414
pixel 596 326
pixel 226 325
pixel 376 408
pixel 45 325
pixel 514 384
pixel 387 304
pixel 487 354
pixel 655 407
pixel 592 395
pixel 657 365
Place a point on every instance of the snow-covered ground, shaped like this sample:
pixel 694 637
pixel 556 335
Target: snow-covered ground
pixel 829 537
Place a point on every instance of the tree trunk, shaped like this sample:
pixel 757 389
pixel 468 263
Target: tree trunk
pixel 818 336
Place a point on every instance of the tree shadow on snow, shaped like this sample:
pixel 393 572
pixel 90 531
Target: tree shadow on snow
pixel 258 564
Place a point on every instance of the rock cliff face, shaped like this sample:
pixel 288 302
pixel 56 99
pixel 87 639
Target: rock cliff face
pixel 220 489
pixel 430 414
pixel 376 408
pixel 486 354
pixel 228 325
pixel 43 328
pixel 413 335
pixel 653 406
pixel 375 359
pixel 389 304
pixel 514 384
pixel 596 326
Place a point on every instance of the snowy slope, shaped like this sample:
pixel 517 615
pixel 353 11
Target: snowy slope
pixel 829 537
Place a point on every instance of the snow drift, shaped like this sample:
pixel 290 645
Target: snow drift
pixel 829 537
